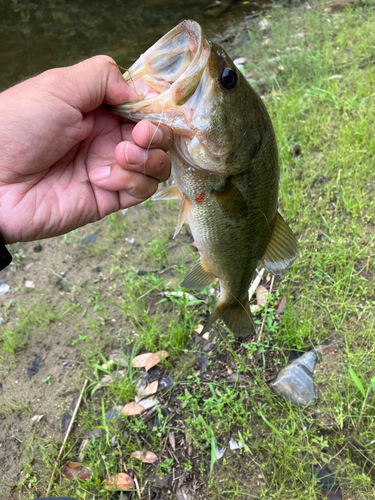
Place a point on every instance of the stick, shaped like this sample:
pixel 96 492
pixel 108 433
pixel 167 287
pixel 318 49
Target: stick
pixel 265 312
pixel 137 486
pixel 67 435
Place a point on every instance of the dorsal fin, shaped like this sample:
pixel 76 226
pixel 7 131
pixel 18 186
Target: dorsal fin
pixel 198 277
pixel 282 249
pixel 183 213
pixel 237 318
pixel 170 193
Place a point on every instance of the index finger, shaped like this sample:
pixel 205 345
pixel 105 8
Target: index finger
pixel 149 135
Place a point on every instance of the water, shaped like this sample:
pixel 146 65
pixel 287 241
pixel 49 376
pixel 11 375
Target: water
pixel 41 34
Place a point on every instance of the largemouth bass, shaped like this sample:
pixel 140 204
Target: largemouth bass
pixel 224 165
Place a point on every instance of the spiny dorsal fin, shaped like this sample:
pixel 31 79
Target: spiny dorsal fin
pixel 183 213
pixel 198 277
pixel 170 193
pixel 237 318
pixel 282 249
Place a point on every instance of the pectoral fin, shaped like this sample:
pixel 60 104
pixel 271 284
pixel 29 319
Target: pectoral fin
pixel 231 200
pixel 237 318
pixel 183 213
pixel 282 249
pixel 198 277
pixel 171 193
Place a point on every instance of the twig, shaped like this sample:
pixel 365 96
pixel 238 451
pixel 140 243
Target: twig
pixel 265 312
pixel 137 486
pixel 67 435
pixel 255 283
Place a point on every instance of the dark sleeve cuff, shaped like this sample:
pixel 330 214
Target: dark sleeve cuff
pixel 5 257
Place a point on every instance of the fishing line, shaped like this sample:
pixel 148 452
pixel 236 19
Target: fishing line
pixel 150 141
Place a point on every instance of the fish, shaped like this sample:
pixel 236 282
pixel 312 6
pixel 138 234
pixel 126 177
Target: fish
pixel 224 165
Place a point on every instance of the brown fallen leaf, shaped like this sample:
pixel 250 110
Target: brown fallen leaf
pixel 147 457
pixel 141 360
pixel 76 470
pixel 132 409
pixel 119 482
pixel 262 295
pixel 280 304
pixel 172 440
pixel 155 359
pixel 149 390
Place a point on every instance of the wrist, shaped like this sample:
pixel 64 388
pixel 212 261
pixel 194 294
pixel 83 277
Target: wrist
pixel 5 256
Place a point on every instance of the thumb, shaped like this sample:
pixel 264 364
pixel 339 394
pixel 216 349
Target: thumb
pixel 88 84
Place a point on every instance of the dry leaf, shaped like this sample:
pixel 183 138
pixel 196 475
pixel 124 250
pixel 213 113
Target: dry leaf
pixel 262 295
pixel 142 360
pixel 172 440
pixel 119 482
pixel 149 390
pixel 280 304
pixel 76 470
pixel 132 409
pixel 199 328
pixel 147 457
pixel 154 359
pixel 35 419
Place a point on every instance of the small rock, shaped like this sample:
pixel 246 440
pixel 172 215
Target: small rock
pixel 119 358
pixel 95 433
pixel 113 414
pixel 295 382
pixel 219 453
pixel 2 320
pixel 203 361
pixel 65 421
pixel 90 239
pixel 166 382
pixel 328 483
pixel 142 383
pixel 263 24
pixel 36 365
pixel 29 284
pixel 4 288
pixel 323 350
pixel 233 445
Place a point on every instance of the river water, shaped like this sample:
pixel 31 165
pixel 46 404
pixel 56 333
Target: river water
pixel 40 34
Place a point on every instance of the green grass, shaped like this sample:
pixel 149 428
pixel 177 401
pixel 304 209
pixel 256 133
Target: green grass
pixel 327 195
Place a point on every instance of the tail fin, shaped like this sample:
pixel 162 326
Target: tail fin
pixel 237 317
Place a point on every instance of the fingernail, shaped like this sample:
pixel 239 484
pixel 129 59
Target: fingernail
pixel 100 173
pixel 134 154
pixel 156 135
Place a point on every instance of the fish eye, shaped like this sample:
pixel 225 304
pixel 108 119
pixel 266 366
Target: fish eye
pixel 229 78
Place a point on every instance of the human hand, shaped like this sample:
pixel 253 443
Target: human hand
pixel 65 161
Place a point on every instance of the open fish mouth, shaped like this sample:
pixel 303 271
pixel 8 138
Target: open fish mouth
pixel 169 79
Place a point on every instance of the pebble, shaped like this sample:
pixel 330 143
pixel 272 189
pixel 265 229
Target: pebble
pixel 295 382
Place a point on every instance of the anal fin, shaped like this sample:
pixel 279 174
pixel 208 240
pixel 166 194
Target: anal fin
pixel 183 213
pixel 237 318
pixel 198 277
pixel 282 249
